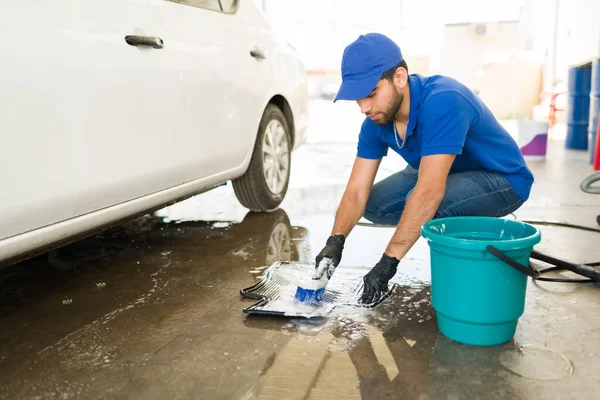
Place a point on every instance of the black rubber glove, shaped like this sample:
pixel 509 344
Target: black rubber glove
pixel 333 249
pixel 376 281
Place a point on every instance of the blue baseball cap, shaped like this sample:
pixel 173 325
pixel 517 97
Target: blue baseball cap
pixel 363 63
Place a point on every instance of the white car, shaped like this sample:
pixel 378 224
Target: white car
pixel 114 108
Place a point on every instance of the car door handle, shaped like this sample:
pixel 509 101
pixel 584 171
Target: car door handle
pixel 152 41
pixel 258 54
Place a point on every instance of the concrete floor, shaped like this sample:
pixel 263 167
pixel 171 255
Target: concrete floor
pixel 152 309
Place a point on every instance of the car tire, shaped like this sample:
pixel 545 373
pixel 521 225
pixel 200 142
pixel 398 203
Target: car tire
pixel 265 183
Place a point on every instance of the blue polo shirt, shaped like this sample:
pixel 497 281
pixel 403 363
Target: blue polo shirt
pixel 446 117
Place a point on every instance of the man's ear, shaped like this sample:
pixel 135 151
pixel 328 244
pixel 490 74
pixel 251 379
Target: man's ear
pixel 401 77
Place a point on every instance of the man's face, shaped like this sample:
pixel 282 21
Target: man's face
pixel 382 104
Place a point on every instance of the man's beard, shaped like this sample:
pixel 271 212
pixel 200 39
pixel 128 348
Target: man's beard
pixel 389 114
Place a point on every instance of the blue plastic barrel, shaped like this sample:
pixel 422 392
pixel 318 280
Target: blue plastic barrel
pixel 594 107
pixel 578 106
pixel 478 298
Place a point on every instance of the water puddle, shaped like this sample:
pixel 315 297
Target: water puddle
pixel 348 356
pixel 537 363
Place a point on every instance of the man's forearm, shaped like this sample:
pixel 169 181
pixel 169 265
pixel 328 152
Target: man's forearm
pixel 351 209
pixel 420 208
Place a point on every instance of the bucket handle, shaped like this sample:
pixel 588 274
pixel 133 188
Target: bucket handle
pixel 530 271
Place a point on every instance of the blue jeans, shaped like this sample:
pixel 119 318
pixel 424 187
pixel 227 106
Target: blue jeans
pixel 470 193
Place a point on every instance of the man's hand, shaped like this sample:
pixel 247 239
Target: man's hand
pixel 333 249
pixel 376 281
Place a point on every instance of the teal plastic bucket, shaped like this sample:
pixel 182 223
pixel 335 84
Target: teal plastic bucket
pixel 478 298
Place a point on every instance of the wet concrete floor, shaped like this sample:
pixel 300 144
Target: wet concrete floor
pixel 151 309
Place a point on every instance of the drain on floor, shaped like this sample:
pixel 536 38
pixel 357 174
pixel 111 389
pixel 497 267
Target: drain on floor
pixel 278 285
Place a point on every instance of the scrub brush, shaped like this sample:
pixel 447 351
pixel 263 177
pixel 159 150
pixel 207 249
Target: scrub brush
pixel 313 289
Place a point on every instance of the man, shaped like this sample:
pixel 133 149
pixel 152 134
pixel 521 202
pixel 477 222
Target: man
pixel 461 161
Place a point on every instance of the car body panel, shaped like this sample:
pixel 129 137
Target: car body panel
pixel 97 130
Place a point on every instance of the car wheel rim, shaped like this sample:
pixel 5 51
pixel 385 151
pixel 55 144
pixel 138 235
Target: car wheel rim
pixel 276 162
pixel 280 245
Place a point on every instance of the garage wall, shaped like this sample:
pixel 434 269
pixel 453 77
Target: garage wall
pixel 578 38
pixel 466 45
pixel 321 29
pixel 576 26
pixel 558 33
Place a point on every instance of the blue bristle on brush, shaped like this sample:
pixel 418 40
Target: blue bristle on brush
pixel 314 289
pixel 304 294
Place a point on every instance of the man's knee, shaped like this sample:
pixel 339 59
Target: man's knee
pixel 372 210
pixel 378 213
pixel 453 207
pixel 441 213
pixel 387 198
pixel 484 206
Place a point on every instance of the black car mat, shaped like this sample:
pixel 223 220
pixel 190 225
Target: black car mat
pixel 277 287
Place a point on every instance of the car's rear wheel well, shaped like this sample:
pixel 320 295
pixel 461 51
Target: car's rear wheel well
pixel 284 106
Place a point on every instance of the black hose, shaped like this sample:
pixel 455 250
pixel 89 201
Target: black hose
pixel 563 280
pixel 563 224
pixel 586 184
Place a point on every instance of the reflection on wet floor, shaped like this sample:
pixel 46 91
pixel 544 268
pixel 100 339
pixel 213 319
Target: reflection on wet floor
pixel 260 239
pixel 102 303
pixel 151 309
pixel 146 293
pixel 355 353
